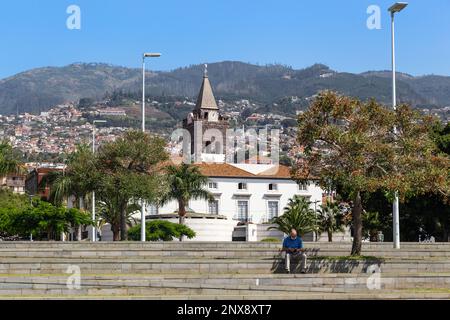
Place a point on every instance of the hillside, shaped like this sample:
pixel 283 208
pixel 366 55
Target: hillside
pixel 38 89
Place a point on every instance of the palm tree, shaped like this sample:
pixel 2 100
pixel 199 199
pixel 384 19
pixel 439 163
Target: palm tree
pixel 330 219
pixel 371 225
pixel 111 212
pixel 73 181
pixel 9 160
pixel 298 215
pixel 185 182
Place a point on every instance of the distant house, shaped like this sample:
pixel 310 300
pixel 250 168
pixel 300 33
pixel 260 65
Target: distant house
pixel 115 112
pixel 35 177
pixel 14 182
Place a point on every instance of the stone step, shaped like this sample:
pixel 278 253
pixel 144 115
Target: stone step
pixel 264 292
pixel 195 270
pixel 203 245
pixel 217 265
pixel 125 253
pixel 217 260
pixel 286 282
pixel 391 295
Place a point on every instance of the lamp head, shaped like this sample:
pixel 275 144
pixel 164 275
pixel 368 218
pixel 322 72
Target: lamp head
pixel 152 55
pixel 397 7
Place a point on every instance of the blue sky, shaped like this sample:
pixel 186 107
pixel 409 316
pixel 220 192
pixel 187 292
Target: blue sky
pixel 292 32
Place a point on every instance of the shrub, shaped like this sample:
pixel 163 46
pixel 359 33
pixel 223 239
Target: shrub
pixel 157 230
pixel 271 240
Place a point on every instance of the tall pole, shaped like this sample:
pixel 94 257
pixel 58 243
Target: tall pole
pixel 395 205
pixel 143 94
pixel 143 130
pixel 94 231
pixel 145 55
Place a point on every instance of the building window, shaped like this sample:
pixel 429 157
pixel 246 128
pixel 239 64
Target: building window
pixel 273 186
pixel 242 186
pixel 242 211
pixel 213 207
pixel 212 185
pixel 153 209
pixel 272 207
pixel 303 186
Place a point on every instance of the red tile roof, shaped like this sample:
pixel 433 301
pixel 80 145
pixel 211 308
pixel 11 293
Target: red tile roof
pixel 228 171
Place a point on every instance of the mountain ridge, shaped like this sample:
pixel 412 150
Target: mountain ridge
pixel 39 89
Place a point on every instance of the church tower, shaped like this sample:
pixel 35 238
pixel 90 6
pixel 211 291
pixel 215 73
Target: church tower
pixel 206 126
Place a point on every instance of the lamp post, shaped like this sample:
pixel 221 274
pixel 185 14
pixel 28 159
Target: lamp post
pixel 94 230
pixel 30 196
pixel 315 236
pixel 397 7
pixel 145 55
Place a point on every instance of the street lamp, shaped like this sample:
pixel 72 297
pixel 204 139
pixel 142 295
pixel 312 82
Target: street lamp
pixel 315 236
pixel 397 7
pixel 145 55
pixel 94 230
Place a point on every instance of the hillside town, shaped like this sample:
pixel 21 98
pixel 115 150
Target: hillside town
pixel 52 134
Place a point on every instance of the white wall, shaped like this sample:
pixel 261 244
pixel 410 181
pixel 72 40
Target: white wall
pixel 257 194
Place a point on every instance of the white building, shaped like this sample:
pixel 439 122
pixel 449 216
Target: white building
pixel 244 193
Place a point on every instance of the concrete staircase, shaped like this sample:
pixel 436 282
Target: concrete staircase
pixel 211 270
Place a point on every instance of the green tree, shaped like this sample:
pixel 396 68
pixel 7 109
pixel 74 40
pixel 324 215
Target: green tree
pixel 161 230
pixel 330 219
pixel 78 180
pixel 44 218
pixel 185 182
pixel 352 144
pixel 129 170
pixel 298 215
pixel 441 135
pixel 109 212
pixel 10 205
pixel 371 225
pixel 9 160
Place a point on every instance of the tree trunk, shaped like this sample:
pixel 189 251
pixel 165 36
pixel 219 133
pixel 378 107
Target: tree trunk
pixel 123 226
pixel 445 233
pixel 330 236
pixel 116 232
pixel 78 233
pixel 357 225
pixel 181 214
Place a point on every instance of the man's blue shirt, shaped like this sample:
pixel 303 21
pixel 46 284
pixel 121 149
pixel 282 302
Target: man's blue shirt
pixel 296 243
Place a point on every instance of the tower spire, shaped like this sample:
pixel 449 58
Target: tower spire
pixel 206 98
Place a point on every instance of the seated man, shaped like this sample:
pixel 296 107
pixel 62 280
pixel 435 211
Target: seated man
pixel 293 246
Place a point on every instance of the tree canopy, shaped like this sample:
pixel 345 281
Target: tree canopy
pixel 353 144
